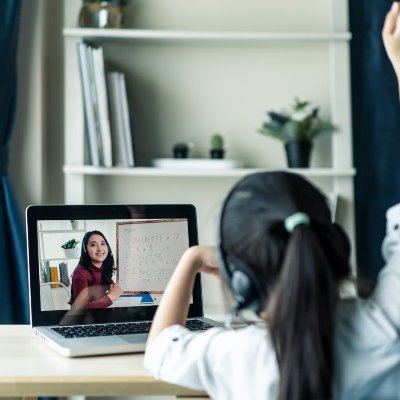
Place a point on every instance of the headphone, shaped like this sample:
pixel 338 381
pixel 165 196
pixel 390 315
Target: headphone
pixel 247 290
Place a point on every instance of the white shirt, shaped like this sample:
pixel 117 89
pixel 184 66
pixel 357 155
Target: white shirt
pixel 241 364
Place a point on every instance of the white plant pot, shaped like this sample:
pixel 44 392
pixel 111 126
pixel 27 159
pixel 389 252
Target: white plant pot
pixel 72 253
pixel 75 225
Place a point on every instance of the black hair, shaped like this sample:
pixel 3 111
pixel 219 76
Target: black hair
pixel 300 272
pixel 108 264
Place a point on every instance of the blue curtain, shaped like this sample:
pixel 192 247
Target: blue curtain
pixel 13 263
pixel 376 131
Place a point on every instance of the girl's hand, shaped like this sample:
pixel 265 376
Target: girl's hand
pixel 204 259
pixel 391 36
pixel 115 291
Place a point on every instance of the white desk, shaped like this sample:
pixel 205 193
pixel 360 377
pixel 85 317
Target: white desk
pixel 30 368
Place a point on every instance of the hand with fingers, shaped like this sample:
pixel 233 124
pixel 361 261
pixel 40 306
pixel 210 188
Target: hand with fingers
pixel 391 37
pixel 115 291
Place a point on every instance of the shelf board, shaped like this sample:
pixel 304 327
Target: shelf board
pixel 217 173
pixel 204 36
pixel 61 231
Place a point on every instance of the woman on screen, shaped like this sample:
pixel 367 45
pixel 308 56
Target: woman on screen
pixel 92 284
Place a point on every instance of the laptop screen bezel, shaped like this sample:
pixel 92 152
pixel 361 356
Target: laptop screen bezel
pixel 101 212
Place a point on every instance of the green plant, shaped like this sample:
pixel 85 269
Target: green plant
pixel 303 123
pixel 181 147
pixel 70 244
pixel 217 142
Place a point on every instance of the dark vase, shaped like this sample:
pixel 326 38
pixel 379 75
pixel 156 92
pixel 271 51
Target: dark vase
pixel 217 154
pixel 298 153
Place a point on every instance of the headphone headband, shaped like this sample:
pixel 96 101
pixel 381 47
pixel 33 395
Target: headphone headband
pixel 244 285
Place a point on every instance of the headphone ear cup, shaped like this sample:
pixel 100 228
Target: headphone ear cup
pixel 245 287
pixel 242 290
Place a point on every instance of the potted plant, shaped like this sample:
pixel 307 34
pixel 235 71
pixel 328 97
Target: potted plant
pixel 70 248
pixel 102 13
pixel 297 130
pixel 74 224
pixel 217 146
pixel 181 150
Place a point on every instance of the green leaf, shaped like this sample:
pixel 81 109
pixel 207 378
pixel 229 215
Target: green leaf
pixel 322 127
pixel 70 244
pixel 272 130
pixel 291 131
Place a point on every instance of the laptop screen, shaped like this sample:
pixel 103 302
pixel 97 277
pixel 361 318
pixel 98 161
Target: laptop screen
pixel 105 263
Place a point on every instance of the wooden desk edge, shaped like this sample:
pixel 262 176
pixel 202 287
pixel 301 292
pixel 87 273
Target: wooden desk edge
pixel 31 387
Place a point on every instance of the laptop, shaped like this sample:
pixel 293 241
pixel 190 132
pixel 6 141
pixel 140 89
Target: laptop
pixel 145 242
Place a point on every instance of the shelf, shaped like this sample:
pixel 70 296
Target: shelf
pixel 179 78
pixel 218 173
pixel 204 36
pixel 61 231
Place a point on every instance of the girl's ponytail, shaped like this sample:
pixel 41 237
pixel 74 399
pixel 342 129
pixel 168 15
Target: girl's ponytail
pixel 300 315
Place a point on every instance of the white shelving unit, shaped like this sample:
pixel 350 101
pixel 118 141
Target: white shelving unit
pixel 201 36
pixel 125 47
pixel 164 172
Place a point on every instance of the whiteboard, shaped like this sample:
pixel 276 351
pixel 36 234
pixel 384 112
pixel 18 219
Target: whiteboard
pixel 148 253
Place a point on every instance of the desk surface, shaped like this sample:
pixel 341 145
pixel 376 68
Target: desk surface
pixel 29 367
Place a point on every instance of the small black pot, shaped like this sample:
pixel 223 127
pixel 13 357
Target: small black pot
pixel 298 153
pixel 217 154
pixel 181 153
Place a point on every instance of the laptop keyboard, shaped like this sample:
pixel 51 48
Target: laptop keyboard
pixel 127 328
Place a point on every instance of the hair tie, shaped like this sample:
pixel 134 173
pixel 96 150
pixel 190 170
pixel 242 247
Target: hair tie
pixel 296 219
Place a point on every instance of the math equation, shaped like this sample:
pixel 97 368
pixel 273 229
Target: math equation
pixel 148 253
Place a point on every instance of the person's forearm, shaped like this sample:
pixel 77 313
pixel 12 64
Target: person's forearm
pixel 174 305
pixel 103 302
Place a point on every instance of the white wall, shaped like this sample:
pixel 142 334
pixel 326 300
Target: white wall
pixel 231 88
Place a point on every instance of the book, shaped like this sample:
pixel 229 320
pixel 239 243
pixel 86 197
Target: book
pixel 47 276
pixel 126 120
pixel 102 106
pixel 54 276
pixel 120 119
pixel 93 94
pixel 89 104
pixel 120 153
pixel 64 278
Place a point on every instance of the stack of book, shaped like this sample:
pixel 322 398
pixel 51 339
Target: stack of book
pixel 107 120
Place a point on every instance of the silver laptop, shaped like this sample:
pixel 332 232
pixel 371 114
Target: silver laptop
pixel 69 309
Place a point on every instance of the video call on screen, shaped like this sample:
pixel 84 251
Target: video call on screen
pixel 145 254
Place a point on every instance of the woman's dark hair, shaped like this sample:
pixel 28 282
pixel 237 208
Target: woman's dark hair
pixel 300 272
pixel 108 263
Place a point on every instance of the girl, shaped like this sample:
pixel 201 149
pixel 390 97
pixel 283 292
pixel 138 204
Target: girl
pixel 282 257
pixel 92 284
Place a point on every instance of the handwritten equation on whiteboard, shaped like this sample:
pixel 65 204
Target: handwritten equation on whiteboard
pixel 148 252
